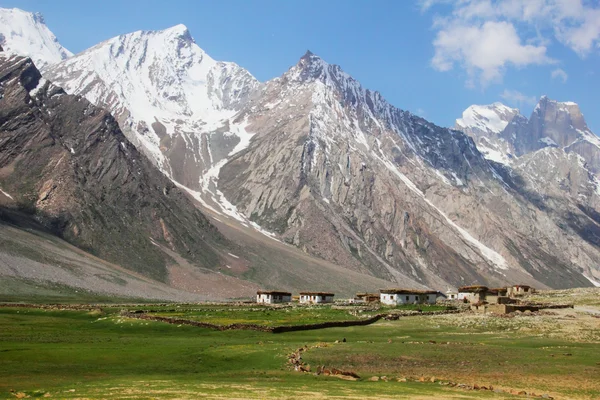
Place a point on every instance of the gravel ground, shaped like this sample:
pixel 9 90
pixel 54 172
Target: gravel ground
pixel 48 260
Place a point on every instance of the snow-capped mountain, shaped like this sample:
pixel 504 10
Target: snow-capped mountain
pixel 26 34
pixel 171 98
pixel 334 169
pixel 503 134
pixel 485 125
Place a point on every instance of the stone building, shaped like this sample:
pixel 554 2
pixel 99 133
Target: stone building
pixel 472 294
pixel 273 296
pixel 519 290
pixel 366 298
pixel 394 297
pixel 316 297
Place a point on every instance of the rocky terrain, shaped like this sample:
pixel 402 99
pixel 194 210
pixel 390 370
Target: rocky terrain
pixel 65 163
pixel 344 175
pixel 314 160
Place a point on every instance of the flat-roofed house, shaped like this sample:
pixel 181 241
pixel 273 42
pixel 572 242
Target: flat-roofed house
pixel 496 296
pixel 473 294
pixel 519 290
pixel 394 297
pixel 451 295
pixel 316 297
pixel 366 298
pixel 273 296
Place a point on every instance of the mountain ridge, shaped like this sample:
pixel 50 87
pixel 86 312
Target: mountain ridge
pixel 316 160
pixel 27 34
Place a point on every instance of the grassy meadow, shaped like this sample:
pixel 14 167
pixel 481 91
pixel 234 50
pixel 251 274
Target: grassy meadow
pixel 102 355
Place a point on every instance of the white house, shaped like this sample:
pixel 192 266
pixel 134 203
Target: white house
pixel 394 297
pixel 451 295
pixel 273 296
pixel 316 297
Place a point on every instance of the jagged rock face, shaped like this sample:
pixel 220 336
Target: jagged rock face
pixel 563 123
pixel 26 34
pixel 503 134
pixel 337 171
pixel 170 98
pixel 66 162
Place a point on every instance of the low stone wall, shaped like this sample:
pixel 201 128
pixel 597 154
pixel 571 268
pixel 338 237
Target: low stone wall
pixel 141 314
pixel 77 307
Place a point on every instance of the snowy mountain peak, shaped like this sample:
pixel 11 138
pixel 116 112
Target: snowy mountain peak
pixel 179 29
pixel 545 100
pixel 486 119
pixel 165 91
pixel 26 34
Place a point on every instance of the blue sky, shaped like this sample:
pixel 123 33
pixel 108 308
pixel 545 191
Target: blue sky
pixel 431 57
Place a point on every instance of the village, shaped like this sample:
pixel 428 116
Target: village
pixel 480 298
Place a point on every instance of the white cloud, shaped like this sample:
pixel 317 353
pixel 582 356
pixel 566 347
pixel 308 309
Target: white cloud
pixel 519 30
pixel 558 73
pixel 518 99
pixel 484 51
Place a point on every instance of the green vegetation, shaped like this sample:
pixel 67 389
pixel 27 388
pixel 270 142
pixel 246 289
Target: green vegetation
pixel 21 290
pixel 100 354
pixel 278 316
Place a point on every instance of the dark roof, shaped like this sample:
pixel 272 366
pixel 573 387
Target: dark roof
pixel 317 294
pixel 406 291
pixel 473 289
pixel 366 294
pixel 275 292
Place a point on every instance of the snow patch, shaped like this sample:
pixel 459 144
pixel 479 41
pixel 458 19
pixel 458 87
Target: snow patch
pixel 39 86
pixel 491 118
pixel 548 141
pixel 594 282
pixel 488 253
pixel 6 194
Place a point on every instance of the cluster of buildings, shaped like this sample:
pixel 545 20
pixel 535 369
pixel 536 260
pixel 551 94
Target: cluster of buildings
pixel 478 294
pixel 390 297
pixel 275 296
pixel 475 295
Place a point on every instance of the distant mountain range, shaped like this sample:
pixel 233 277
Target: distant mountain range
pixel 314 160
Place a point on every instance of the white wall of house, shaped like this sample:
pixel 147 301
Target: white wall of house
pixel 452 295
pixel 314 299
pixel 394 299
pixel 270 298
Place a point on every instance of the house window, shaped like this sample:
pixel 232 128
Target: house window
pixel 406 298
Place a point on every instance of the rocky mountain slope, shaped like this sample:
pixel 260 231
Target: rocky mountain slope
pixel 65 162
pixel 317 161
pixel 26 34
pixel 336 170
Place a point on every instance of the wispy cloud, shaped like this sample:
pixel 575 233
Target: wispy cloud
pixel 484 51
pixel 559 73
pixel 485 37
pixel 518 99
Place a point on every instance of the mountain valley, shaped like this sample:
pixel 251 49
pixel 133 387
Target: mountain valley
pixel 170 164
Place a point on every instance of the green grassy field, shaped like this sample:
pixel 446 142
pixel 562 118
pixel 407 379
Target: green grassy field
pixel 80 354
pixel 278 316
